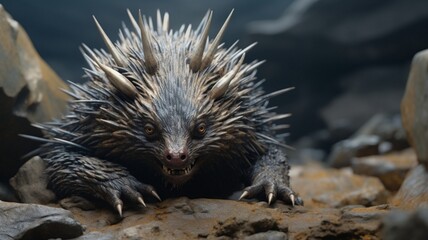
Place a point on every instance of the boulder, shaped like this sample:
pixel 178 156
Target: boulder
pixel 406 225
pixel 30 183
pixel 413 193
pixel 321 187
pixel 414 109
pixel 32 221
pixel 29 92
pixel 391 169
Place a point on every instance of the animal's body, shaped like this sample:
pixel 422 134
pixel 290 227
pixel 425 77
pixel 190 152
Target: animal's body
pixel 167 111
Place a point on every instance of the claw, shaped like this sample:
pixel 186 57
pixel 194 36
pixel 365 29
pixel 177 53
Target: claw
pixel 244 194
pixel 292 199
pixel 119 209
pixel 156 195
pixel 140 199
pixel 270 197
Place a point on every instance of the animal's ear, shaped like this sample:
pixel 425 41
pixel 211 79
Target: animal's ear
pixel 119 81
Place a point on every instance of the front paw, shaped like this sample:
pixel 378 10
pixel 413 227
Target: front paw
pixel 114 190
pixel 273 190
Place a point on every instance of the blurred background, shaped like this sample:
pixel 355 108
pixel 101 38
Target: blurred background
pixel 348 60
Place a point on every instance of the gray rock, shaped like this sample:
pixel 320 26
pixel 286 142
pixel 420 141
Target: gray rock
pixel 413 192
pixel 32 221
pixel 406 225
pixel 344 151
pixel 96 236
pixel 391 169
pixel 414 109
pixel 269 235
pixel 381 134
pixel 30 183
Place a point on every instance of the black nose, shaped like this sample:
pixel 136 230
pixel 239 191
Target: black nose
pixel 176 157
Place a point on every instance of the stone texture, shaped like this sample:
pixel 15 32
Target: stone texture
pixel 406 225
pixel 379 135
pixel 184 218
pixel 31 221
pixel 390 168
pixel 30 183
pixel 414 109
pixel 413 192
pixel 29 92
pixel 343 151
pixel 336 188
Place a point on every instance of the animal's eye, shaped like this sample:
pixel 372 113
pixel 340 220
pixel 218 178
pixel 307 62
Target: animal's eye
pixel 149 129
pixel 200 129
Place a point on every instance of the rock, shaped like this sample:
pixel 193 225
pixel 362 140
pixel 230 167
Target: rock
pixel 336 188
pixel 360 146
pixel 30 183
pixel 413 192
pixel 406 225
pixel 31 221
pixel 271 235
pixel 413 106
pixel 184 218
pixel 29 92
pixel 381 134
pixel 391 168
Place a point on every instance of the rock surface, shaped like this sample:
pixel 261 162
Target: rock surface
pixel 414 109
pixel 30 183
pixel 321 187
pixel 31 221
pixel 413 192
pixel 406 225
pixel 381 134
pixel 391 169
pixel 29 92
pixel 337 204
pixel 184 218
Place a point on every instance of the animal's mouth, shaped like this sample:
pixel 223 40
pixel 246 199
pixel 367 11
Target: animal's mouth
pixel 177 172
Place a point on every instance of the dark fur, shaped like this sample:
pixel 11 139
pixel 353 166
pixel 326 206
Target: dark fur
pixel 102 149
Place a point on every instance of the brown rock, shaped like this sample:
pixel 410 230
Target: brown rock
pixel 184 218
pixel 390 168
pixel 336 188
pixel 414 109
pixel 30 183
pixel 413 192
pixel 29 92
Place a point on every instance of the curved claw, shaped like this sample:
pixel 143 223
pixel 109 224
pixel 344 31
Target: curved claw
pixel 119 209
pixel 270 197
pixel 292 199
pixel 140 199
pixel 244 195
pixel 156 195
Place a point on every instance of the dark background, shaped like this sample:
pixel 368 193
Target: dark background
pixel 347 59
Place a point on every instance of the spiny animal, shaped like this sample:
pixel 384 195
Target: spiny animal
pixel 171 109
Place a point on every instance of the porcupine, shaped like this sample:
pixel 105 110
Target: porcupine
pixel 174 103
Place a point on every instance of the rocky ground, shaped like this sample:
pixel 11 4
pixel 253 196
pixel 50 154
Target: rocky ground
pixel 374 185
